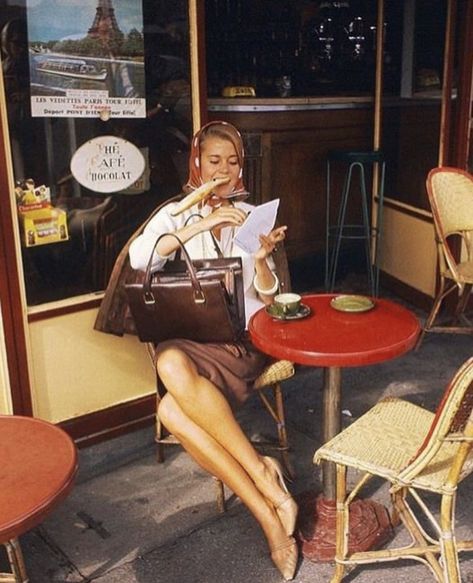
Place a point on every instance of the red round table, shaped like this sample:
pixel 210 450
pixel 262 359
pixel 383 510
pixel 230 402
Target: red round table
pixel 38 464
pixel 332 339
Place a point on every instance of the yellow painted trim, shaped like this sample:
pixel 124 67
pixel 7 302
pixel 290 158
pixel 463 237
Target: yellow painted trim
pixel 194 65
pixel 6 406
pixel 11 194
pixel 8 162
pixel 65 303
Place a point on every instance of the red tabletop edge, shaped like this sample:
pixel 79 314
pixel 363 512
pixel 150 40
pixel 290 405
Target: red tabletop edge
pixel 38 467
pixel 334 339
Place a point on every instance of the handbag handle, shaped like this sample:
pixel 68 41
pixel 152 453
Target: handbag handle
pixel 218 251
pixel 199 297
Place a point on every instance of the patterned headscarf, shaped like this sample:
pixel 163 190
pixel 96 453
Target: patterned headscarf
pixel 225 131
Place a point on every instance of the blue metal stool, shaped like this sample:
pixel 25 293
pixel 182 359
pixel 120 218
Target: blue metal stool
pixel 339 231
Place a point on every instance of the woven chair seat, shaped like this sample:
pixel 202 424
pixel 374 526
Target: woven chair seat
pixel 385 439
pixel 275 373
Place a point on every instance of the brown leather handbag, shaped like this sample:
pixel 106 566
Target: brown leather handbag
pixel 200 300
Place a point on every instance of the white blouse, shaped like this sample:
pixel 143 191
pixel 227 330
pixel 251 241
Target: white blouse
pixel 199 247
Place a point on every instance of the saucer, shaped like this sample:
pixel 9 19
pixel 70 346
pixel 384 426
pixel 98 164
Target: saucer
pixel 352 303
pixel 303 312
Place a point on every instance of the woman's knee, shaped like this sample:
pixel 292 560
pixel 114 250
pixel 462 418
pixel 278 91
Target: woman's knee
pixel 175 369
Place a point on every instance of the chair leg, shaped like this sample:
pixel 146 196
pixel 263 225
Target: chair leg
pixel 458 315
pixel 463 302
pixel 277 413
pixel 448 543
pixel 434 311
pixel 17 564
pixel 220 494
pixel 410 522
pixel 436 306
pixel 394 512
pixel 282 431
pixel 159 436
pixel 342 521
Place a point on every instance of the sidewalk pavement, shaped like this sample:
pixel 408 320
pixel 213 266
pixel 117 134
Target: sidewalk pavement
pixel 132 520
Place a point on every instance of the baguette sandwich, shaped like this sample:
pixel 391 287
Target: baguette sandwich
pixel 198 195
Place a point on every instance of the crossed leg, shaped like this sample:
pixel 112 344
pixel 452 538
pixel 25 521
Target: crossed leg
pixel 197 413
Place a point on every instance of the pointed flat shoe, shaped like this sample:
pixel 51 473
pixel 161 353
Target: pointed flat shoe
pixel 286 507
pixel 285 557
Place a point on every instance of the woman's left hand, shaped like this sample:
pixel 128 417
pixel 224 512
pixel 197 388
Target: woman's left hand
pixel 269 242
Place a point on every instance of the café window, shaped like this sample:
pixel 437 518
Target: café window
pixel 295 48
pixel 99 114
pixel 411 127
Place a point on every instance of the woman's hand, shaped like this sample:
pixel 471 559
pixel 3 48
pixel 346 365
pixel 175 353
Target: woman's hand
pixel 266 283
pixel 224 216
pixel 269 242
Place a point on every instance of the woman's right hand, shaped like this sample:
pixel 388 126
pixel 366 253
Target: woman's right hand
pixel 224 216
pixel 221 217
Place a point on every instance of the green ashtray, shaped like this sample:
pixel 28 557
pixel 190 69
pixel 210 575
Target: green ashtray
pixel 352 303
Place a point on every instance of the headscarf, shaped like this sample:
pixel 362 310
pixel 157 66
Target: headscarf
pixel 225 131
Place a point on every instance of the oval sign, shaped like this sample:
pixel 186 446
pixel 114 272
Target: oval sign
pixel 107 164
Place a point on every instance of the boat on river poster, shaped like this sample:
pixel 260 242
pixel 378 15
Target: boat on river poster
pixel 86 58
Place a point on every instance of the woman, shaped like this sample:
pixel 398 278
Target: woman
pixel 205 382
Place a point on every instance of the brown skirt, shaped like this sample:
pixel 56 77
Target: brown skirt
pixel 233 368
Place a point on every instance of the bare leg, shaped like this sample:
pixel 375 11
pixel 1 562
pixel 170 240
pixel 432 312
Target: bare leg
pixel 205 405
pixel 211 456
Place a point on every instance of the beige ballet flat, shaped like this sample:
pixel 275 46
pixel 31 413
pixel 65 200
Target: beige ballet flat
pixel 286 508
pixel 285 556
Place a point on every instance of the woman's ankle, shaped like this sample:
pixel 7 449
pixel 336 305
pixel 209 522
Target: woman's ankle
pixel 269 484
pixel 273 530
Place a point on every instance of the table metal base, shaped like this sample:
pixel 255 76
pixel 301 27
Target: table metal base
pixel 370 526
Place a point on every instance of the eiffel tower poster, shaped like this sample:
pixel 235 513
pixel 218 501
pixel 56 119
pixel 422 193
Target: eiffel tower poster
pixel 86 58
pixel 105 24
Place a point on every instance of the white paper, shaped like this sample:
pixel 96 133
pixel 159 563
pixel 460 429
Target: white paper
pixel 260 221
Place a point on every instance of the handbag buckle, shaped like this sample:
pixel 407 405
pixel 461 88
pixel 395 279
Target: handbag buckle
pixel 148 298
pixel 199 297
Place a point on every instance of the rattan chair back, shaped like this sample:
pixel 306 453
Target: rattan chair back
pixel 453 423
pixel 450 192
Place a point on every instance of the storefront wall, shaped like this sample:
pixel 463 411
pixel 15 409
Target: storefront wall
pixel 76 372
pixel 408 252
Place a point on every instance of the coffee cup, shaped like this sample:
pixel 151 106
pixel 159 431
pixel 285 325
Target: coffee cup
pixel 287 304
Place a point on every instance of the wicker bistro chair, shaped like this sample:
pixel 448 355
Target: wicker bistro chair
pixel 268 386
pixel 414 450
pixel 450 193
